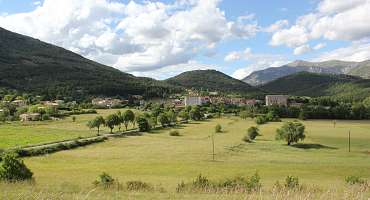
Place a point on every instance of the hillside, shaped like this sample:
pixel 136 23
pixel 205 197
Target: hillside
pixel 211 80
pixel 261 77
pixel 341 86
pixel 27 64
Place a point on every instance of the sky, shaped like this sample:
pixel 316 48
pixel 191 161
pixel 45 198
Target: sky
pixel 162 38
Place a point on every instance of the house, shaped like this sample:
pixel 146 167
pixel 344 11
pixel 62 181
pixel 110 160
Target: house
pixel 250 102
pixel 193 101
pixel 178 103
pixel 30 117
pixel 107 102
pixel 19 103
pixel 280 100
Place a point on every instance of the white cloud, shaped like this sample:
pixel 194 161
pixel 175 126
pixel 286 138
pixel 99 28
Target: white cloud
pixel 278 25
pixel 355 52
pixel 332 20
pixel 173 70
pixel 319 46
pixel 36 3
pixel 302 49
pixel 259 65
pixel 259 61
pixel 135 36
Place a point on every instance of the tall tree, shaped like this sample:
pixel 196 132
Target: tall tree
pixel 96 123
pixel 291 132
pixel 128 117
pixel 111 121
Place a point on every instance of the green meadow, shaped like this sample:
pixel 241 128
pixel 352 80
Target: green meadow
pixel 321 161
pixel 16 134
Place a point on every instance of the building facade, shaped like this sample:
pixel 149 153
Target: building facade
pixel 279 100
pixel 193 101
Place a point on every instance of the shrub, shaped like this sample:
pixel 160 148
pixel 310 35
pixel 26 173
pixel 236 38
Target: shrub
pixel 253 132
pixel 138 186
pixel 45 117
pixel 354 180
pixel 218 128
pixel 201 182
pixel 13 169
pixel 104 180
pixel 143 124
pixel 291 182
pixel 261 120
pixel 74 118
pixel 174 133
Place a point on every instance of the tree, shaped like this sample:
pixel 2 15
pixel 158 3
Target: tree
pixel 291 132
pixel 120 120
pixel 218 128
pixel 253 132
pixel 143 124
pixel 163 119
pixel 195 113
pixel 184 115
pixel 96 123
pixel 128 117
pixel 172 117
pixel 13 169
pixel 245 114
pixel 111 121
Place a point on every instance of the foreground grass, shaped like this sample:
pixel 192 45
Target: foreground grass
pixel 321 162
pixel 25 133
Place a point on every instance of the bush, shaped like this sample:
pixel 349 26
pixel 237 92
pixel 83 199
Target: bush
pixel 291 182
pixel 354 180
pixel 261 120
pixel 253 132
pixel 104 180
pixel 13 169
pixel 138 186
pixel 58 147
pixel 237 184
pixel 174 133
pixel 218 128
pixel 45 117
pixel 143 124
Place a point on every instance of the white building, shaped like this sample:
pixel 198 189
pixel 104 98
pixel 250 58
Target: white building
pixel 280 100
pixel 193 101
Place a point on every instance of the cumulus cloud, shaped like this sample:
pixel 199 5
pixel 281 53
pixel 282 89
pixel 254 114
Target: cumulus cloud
pixel 319 46
pixel 173 70
pixel 302 49
pixel 278 25
pixel 259 61
pixel 332 20
pixel 354 52
pixel 133 37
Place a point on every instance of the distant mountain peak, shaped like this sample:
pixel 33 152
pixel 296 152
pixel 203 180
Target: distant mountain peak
pixel 361 69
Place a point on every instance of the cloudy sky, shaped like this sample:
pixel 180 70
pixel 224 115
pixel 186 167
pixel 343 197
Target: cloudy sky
pixel 162 38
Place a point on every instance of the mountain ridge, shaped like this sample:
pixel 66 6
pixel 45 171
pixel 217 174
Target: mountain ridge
pixel 261 77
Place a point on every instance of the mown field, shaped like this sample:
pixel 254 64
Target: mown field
pixel 17 134
pixel 321 162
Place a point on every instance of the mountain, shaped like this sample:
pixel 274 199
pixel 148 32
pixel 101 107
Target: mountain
pixel 27 64
pixel 211 80
pixel 261 77
pixel 344 87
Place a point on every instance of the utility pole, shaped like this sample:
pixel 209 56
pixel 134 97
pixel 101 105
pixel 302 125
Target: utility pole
pixel 349 141
pixel 213 146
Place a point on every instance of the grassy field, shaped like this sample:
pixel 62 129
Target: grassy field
pixel 25 133
pixel 321 161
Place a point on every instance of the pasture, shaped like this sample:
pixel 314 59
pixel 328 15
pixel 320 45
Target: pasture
pixel 15 134
pixel 321 161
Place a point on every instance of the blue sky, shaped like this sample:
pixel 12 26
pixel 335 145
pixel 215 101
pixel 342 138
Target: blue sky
pixel 165 37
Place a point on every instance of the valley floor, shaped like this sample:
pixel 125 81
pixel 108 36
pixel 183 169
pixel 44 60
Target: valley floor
pixel 321 162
